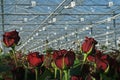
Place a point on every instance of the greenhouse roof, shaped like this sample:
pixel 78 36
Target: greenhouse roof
pixel 61 23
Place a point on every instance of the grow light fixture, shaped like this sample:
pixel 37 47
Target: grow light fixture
pixel 65 28
pixel 54 20
pixel 40 30
pixel 44 28
pixel 82 19
pixel 83 29
pixel 66 7
pixel 110 4
pixel 107 32
pixel 92 9
pixel 73 33
pixel 37 34
pixel 118 41
pixel 72 4
pixel 48 37
pixel 55 33
pixel 32 38
pixel 108 27
pixel 87 28
pixel 108 19
pixel 33 3
pixel 21 28
pixel 107 43
pixel 25 19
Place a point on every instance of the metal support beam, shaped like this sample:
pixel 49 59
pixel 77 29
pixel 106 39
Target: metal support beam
pixel 2 15
pixel 114 25
pixel 42 4
pixel 44 14
pixel 2 21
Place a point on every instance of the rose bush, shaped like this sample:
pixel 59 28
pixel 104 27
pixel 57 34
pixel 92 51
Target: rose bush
pixel 87 64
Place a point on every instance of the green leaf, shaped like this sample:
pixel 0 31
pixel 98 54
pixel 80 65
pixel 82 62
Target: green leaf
pixel 1 79
pixel 45 75
pixel 75 71
pixel 4 68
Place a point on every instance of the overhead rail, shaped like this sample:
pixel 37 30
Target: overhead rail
pixel 81 30
pixel 42 14
pixel 58 9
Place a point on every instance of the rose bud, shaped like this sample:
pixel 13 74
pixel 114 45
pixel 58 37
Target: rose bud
pixel 88 45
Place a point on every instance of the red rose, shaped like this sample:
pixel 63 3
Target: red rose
pixel 76 77
pixel 59 53
pixel 35 59
pixel 88 44
pixel 63 58
pixel 11 38
pixel 100 59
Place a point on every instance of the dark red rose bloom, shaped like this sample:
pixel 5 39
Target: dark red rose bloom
pixel 59 53
pixel 63 58
pixel 35 59
pixel 55 54
pixel 76 77
pixel 100 59
pixel 11 38
pixel 88 44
